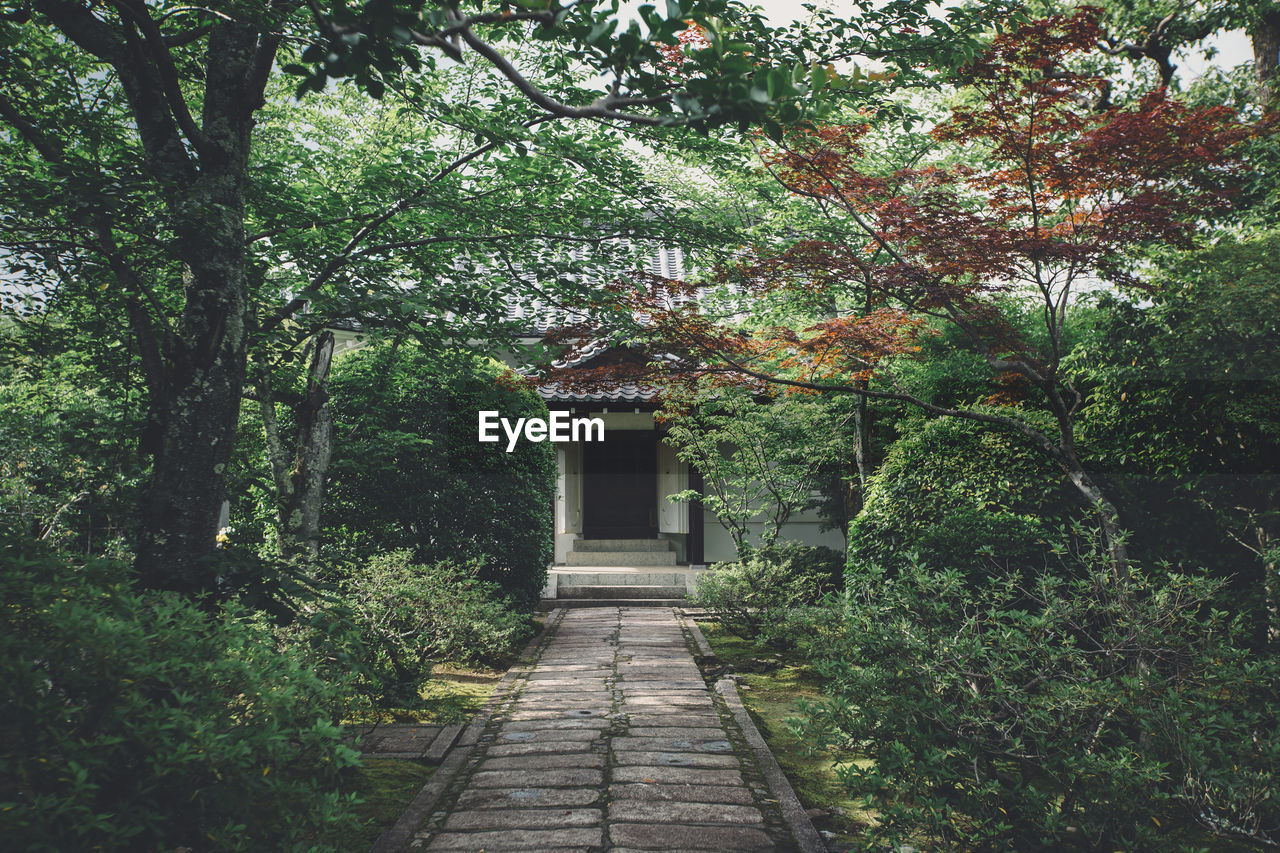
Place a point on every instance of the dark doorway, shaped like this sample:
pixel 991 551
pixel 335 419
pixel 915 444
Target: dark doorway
pixel 620 486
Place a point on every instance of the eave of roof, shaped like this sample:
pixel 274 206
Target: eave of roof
pixel 625 392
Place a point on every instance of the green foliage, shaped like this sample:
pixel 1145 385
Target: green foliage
pixel 408 617
pixel 140 722
pixel 1181 409
pixel 753 596
pixel 65 476
pixel 1074 709
pixel 956 494
pixel 760 460
pixel 408 471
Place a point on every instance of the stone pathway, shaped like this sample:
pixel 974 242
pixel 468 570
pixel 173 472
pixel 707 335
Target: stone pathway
pixel 608 739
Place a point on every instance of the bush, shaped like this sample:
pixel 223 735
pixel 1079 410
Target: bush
pixel 948 485
pixel 1088 711
pixel 410 617
pixel 64 474
pixel 140 722
pixel 753 596
pixel 408 472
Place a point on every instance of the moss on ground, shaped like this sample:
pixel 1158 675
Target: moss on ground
pixel 385 787
pixel 772 688
pixel 451 695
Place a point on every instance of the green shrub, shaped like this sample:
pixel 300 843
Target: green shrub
pixel 957 494
pixel 752 597
pixel 64 474
pixel 1088 711
pixel 397 619
pixel 408 472
pixel 140 722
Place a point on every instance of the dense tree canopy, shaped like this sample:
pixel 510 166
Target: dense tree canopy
pixel 993 286
pixel 1053 195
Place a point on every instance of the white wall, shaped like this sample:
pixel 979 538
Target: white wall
pixel 804 527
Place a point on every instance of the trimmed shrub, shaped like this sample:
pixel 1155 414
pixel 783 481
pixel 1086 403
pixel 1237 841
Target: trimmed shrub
pixel 752 597
pixel 140 722
pixel 958 494
pixel 410 617
pixel 408 472
pixel 1079 711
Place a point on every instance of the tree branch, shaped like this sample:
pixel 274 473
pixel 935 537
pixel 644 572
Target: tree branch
pixel 166 72
pixel 338 261
pixel 601 108
pixel 983 417
pixel 28 131
pixel 167 157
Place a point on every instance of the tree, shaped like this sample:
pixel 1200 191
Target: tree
pixel 1156 31
pixel 463 248
pixel 1067 193
pixel 409 473
pixel 1181 393
pixel 131 131
pixel 760 460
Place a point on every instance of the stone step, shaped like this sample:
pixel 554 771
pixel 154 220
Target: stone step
pixel 622 545
pixel 587 578
pixel 549 604
pixel 620 558
pixel 630 591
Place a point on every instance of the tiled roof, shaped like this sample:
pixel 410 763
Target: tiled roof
pixel 535 318
pixel 587 353
pixel 625 392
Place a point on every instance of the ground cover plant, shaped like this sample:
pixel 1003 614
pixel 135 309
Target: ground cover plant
pixel 395 621
pixel 773 687
pixel 756 596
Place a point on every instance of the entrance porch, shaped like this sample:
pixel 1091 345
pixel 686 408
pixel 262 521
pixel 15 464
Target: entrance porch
pixel 617 536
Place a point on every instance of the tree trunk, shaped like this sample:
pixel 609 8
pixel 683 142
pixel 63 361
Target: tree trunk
pixel 1106 512
pixel 193 420
pixel 861 448
pixel 1265 35
pixel 197 391
pixel 300 477
pixel 1271 587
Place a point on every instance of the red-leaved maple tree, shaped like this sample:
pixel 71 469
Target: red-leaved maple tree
pixel 1053 196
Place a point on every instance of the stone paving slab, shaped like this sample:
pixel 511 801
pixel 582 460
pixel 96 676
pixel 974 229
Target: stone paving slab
pixel 639 810
pixel 675 759
pixel 523 818
pixel 669 836
pixel 677 793
pixel 544 735
pixel 608 739
pixel 671 744
pixel 537 747
pixel 547 762
pixel 403 740
pixel 524 839
pixel 509 798
pixel 537 778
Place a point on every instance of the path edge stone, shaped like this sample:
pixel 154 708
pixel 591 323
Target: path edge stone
pixel 397 838
pixel 793 813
